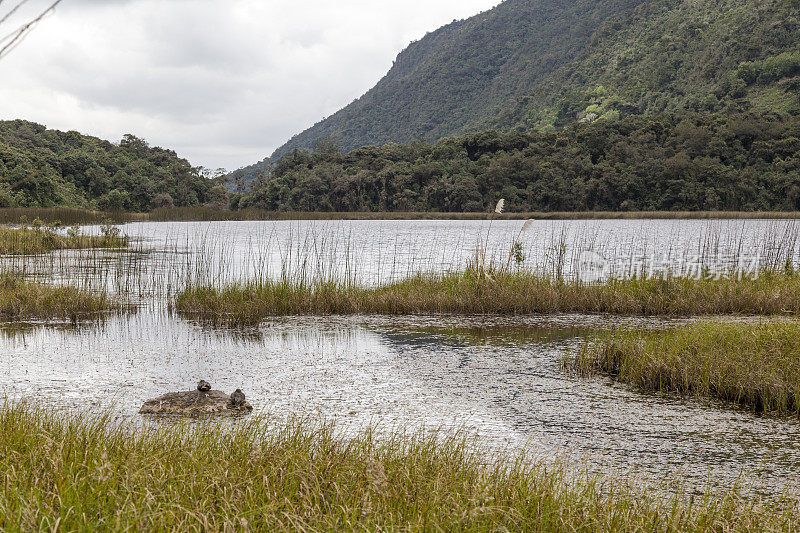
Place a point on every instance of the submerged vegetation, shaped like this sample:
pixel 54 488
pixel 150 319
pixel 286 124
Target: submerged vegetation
pixel 22 299
pixel 58 470
pixel 752 364
pixel 478 292
pixel 39 239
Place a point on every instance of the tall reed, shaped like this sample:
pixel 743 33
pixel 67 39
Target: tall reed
pixel 199 214
pixel 62 215
pixel 22 299
pixel 508 293
pixel 69 472
pixel 43 239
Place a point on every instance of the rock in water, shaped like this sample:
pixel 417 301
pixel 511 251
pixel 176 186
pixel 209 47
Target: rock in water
pixel 204 386
pixel 196 403
pixel 237 398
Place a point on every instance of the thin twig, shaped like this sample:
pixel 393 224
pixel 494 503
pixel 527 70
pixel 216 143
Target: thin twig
pixel 16 36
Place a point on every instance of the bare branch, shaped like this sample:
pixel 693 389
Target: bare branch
pixel 12 39
pixel 12 11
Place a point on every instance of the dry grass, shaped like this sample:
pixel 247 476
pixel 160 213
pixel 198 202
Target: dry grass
pixel 61 215
pixel 751 364
pixel 38 240
pixel 76 474
pixel 511 293
pixel 207 214
pixel 22 299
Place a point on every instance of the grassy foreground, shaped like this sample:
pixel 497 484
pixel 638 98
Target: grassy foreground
pixel 22 299
pixel 63 472
pixel 501 293
pixel 756 365
pixel 38 240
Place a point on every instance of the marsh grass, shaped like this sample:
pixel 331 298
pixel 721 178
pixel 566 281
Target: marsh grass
pixel 42 239
pixel 198 214
pixel 67 472
pixel 62 215
pixel 752 364
pixel 475 291
pixel 22 299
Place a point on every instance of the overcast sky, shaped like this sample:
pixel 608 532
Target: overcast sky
pixel 222 82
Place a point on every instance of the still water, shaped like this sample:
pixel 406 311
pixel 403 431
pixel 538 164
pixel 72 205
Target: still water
pixel 497 378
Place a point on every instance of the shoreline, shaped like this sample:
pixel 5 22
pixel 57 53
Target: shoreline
pixel 73 216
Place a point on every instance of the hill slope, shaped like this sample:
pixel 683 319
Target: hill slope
pixel 541 64
pixel 40 167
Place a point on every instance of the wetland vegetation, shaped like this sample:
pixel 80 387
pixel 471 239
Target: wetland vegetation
pixel 75 472
pixel 40 238
pixel 24 299
pixel 501 292
pixel 755 364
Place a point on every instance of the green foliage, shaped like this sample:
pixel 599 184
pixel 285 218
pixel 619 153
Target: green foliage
pixel 47 168
pixel 538 64
pixel 697 162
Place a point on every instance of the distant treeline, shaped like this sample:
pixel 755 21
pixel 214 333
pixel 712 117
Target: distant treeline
pixel 40 167
pixel 702 162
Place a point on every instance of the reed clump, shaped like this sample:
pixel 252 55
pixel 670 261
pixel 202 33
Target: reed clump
pixel 63 215
pixel 196 214
pixel 40 238
pixel 60 471
pixel 475 291
pixel 22 299
pixel 751 364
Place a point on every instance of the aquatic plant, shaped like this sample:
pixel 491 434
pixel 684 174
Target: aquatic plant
pixel 205 214
pixel 752 364
pixel 62 215
pixel 22 299
pixel 503 292
pixel 77 472
pixel 38 238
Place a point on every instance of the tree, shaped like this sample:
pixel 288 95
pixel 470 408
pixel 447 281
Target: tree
pixel 9 41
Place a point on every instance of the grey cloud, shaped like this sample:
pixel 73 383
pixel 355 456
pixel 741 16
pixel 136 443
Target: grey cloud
pixel 222 82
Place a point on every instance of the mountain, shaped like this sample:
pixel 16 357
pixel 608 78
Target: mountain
pixel 538 65
pixel 40 167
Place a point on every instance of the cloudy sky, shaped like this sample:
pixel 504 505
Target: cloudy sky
pixel 223 82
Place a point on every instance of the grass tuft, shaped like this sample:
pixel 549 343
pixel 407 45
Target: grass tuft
pixel 79 473
pixel 22 299
pixel 755 365
pixel 42 239
pixel 508 293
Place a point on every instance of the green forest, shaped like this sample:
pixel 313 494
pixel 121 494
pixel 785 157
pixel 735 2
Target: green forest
pixel 556 106
pixel 748 162
pixel 539 65
pixel 40 167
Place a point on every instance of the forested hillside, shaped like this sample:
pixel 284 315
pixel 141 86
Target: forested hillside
pixel 42 168
pixel 662 162
pixel 542 64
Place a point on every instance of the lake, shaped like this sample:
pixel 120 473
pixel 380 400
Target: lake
pixel 499 378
